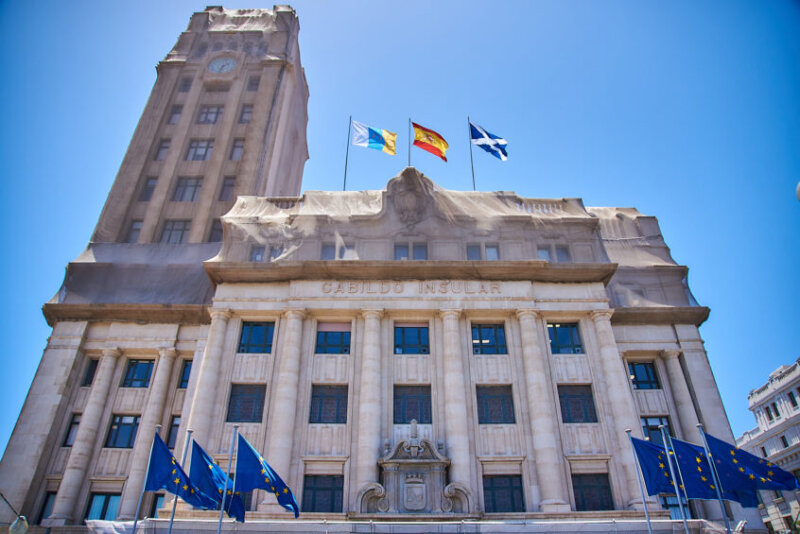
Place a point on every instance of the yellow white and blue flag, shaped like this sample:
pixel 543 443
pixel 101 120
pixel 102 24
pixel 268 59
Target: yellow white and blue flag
pixel 368 137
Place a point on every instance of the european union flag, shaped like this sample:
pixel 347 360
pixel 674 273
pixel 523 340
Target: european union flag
pixel 252 472
pixel 738 469
pixel 210 479
pixel 165 472
pixel 654 466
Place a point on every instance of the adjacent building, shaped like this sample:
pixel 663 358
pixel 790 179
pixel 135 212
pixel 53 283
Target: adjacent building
pixel 776 407
pixel 405 353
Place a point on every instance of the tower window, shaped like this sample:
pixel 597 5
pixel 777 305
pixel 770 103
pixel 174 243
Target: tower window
pixel 175 231
pixel 489 339
pixel 237 149
pixel 72 430
pixel 199 149
pixel 643 375
pixel 495 405
pixel 246 404
pixel 226 191
pixel 103 506
pixel 134 231
pixel 175 114
pixel 256 338
pixel 186 370
pixel 565 338
pixel 185 85
pixel 328 404
pixel 323 493
pixel 147 190
pixel 577 404
pixel 592 492
pixel 123 430
pixel 137 374
pixel 215 234
pixel 253 83
pixel 503 493
pixel 652 432
pixel 161 151
pixel 209 114
pixel 247 114
pixel 412 402
pixel 187 189
pixel 411 339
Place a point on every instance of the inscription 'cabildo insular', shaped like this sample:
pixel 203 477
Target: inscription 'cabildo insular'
pixel 418 287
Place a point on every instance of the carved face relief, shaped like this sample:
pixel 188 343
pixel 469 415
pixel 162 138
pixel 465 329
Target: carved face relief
pixel 410 197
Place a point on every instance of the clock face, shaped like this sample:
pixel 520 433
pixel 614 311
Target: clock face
pixel 222 64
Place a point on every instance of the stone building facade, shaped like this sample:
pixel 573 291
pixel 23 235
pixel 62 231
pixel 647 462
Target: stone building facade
pixel 403 353
pixel 776 407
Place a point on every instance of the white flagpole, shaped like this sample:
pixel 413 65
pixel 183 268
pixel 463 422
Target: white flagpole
pixel 718 485
pixel 147 472
pixel 469 140
pixel 674 479
pixel 227 477
pixel 639 480
pixel 183 462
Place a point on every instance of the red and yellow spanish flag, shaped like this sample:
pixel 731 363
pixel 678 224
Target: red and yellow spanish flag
pixel 429 140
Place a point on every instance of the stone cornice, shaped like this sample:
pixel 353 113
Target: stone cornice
pixel 535 271
pixel 139 313
pixel 695 315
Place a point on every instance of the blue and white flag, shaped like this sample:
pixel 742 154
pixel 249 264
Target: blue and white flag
pixel 491 143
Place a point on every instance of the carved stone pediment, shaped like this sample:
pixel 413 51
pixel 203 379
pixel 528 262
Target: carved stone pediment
pixel 416 450
pixel 410 194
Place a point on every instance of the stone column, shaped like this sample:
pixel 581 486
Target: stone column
pixel 455 401
pixel 283 409
pixel 151 416
pixel 687 417
pixel 620 400
pixel 205 393
pixel 74 479
pixel 368 442
pixel 547 453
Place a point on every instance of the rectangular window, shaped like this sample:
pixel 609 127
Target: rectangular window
pixel 420 251
pixel 323 493
pixel 175 115
pixel 147 190
pixel 103 506
pixel 543 253
pixel 226 191
pixel 236 149
pixel 792 399
pixel 340 252
pixel 473 252
pixel 763 452
pixel 47 506
pixel 246 404
pixel 503 493
pixel 209 114
pixel 215 234
pixel 492 253
pixel 489 339
pixel 643 375
pixel 253 82
pixel 186 370
pixel 775 410
pixel 134 231
pixel 88 375
pixel 257 253
pixel 495 405
pixel 199 149
pixel 401 251
pixel 563 255
pixel 172 434
pixel 187 189
pixel 592 492
pixel 328 404
pixel 411 339
pixel 185 85
pixel 275 252
pixel 175 231
pixel 72 429
pixel 577 404
pixel 123 430
pixel 412 402
pixel 161 151
pixel 769 413
pixel 158 503
pixel 333 338
pixel 328 251
pixel 565 338
pixel 247 114
pixel 652 432
pixel 784 442
pixel 256 338
pixel 137 374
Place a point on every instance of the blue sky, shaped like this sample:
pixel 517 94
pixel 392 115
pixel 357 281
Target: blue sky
pixel 686 110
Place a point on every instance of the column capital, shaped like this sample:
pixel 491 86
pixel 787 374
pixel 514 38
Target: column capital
pixel 167 353
pixel 112 352
pixel 451 312
pixel 375 312
pixel 597 315
pixel 670 354
pixel 298 313
pixel 219 313
pixel 528 312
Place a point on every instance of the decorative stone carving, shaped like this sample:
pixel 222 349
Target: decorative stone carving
pixel 410 193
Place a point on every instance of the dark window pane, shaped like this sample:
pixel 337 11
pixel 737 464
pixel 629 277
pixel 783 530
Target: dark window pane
pixel 495 405
pixel 577 404
pixel 209 114
pixel 328 404
pixel 88 376
pixel 246 404
pixel 215 234
pixel 172 435
pixel 420 251
pixel 323 493
pixel 565 338
pixel 199 149
pixel 123 430
pixel 186 370
pixel 103 506
pixel 247 114
pixel 592 492
pixel 175 114
pixel 643 375
pixel 185 85
pixel 253 82
pixel 148 188
pixel 328 252
pixel 134 231
pixel 489 339
pixel 412 402
pixel 175 231
pixel 401 252
pixel 237 149
pixel 474 252
pixel 503 493
pixel 72 429
pixel 137 374
pixel 187 189
pixel 333 343
pixel 411 340
pixel 47 506
pixel 650 428
pixel 256 337
pixel 226 192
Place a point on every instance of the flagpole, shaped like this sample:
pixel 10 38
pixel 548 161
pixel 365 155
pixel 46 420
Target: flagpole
pixel 227 477
pixel 183 461
pixel 717 484
pixel 347 152
pixel 409 141
pixel 638 478
pixel 674 479
pixel 147 472
pixel 472 166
